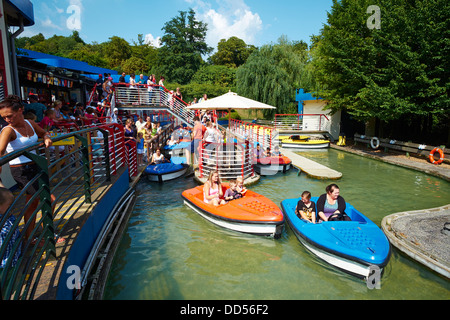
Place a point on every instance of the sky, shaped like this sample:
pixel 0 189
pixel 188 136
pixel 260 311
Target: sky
pixel 257 22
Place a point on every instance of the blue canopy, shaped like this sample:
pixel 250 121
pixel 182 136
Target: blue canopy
pixel 63 63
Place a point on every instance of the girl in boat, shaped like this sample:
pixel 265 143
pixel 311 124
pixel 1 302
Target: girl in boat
pixel 212 190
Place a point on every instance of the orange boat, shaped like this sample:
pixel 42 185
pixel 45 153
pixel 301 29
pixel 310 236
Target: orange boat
pixel 268 166
pixel 253 213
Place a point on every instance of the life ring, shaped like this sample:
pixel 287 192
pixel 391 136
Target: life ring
pixel 374 143
pixel 441 156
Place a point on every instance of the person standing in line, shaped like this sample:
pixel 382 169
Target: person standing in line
pixel 19 134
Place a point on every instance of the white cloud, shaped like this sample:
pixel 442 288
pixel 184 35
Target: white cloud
pixel 150 39
pixel 232 18
pixel 48 24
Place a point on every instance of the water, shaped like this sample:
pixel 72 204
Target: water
pixel 169 252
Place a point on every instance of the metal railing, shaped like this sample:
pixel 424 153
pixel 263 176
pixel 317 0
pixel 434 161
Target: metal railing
pixel 266 137
pixel 231 160
pixel 69 173
pixel 154 96
pixel 302 122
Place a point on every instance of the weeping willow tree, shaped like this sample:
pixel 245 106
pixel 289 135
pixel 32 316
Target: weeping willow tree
pixel 273 73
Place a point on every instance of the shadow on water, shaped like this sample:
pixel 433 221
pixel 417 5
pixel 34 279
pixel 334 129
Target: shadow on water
pixel 169 252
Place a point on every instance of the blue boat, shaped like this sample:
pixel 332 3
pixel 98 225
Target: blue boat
pixel 358 247
pixel 165 171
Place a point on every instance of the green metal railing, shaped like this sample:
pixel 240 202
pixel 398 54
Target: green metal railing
pixel 70 172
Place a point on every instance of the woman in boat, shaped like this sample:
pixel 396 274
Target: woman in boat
pixel 158 157
pixel 212 190
pixel 331 206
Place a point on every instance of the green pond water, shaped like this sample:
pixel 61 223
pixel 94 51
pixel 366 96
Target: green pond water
pixel 169 252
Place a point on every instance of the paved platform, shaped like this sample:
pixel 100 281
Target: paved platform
pixel 421 235
pixel 311 168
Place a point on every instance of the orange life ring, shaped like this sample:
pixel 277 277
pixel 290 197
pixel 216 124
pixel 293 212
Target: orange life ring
pixel 441 156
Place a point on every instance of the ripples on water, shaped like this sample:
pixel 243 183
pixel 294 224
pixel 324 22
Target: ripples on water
pixel 170 252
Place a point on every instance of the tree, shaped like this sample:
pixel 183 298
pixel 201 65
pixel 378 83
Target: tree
pixel 134 65
pixel 397 73
pixel 271 75
pixel 88 54
pixel 117 50
pixel 218 75
pixel 183 45
pixel 232 52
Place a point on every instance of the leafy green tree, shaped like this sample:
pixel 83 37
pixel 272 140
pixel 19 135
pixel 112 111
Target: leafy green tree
pixel 232 52
pixel 398 73
pixel 183 45
pixel 218 75
pixel 271 75
pixel 134 65
pixel 88 54
pixel 117 50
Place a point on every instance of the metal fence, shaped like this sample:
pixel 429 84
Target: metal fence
pixel 266 137
pixel 70 172
pixel 231 160
pixel 302 122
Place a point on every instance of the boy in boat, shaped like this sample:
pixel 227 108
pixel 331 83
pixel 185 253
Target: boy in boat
pixel 232 193
pixel 306 209
pixel 277 152
pixel 240 186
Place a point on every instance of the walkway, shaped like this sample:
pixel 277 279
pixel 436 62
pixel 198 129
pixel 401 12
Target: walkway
pixel 311 168
pixel 421 235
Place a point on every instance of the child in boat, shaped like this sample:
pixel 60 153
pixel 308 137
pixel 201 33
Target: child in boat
pixel 232 193
pixel 306 209
pixel 240 186
pixel 212 190
pixel 277 152
pixel 267 153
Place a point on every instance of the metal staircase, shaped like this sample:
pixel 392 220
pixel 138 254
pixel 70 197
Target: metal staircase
pixel 151 97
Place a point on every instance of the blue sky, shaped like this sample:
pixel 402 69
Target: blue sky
pixel 257 22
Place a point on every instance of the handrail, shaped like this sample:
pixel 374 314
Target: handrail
pixel 232 160
pixel 302 122
pixel 68 177
pixel 263 135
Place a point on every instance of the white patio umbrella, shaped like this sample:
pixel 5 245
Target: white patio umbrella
pixel 229 101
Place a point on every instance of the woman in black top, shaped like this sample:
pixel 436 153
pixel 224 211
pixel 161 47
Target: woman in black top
pixel 331 206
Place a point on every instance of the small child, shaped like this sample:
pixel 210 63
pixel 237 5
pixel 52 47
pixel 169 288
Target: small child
pixel 240 186
pixel 6 199
pixel 232 193
pixel 277 152
pixel 306 209
pixel 48 122
pixel 140 149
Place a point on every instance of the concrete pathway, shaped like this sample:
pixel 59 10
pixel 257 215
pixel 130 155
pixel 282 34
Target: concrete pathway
pixel 311 168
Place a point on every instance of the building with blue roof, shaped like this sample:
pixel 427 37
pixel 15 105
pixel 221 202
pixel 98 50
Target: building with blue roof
pixel 56 78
